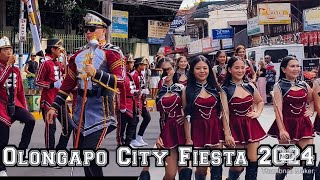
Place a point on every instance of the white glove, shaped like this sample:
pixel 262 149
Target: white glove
pixel 57 84
pixel 145 91
pixel 134 91
pixel 123 110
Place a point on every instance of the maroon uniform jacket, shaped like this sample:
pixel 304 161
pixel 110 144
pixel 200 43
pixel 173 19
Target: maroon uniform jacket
pixel 108 61
pixel 139 99
pixel 5 82
pixel 127 96
pixel 49 72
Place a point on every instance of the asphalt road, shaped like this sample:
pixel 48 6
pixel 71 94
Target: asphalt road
pixel 112 169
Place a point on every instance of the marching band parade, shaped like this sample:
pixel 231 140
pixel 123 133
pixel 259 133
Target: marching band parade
pixel 201 104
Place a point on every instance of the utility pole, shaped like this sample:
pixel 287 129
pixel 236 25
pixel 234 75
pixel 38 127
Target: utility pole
pixel 107 12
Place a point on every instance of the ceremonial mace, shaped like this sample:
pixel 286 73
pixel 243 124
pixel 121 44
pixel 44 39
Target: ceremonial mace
pixel 93 44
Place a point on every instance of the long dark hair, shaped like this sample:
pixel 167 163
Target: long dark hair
pixel 217 56
pixel 191 84
pixel 178 60
pixel 228 78
pixel 284 64
pixel 175 77
pixel 239 47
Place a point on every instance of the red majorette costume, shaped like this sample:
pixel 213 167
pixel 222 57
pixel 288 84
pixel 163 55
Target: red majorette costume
pixel 179 74
pixel 317 120
pixel 128 107
pixel 221 73
pixel 244 129
pixel 206 126
pixel 171 118
pixel 248 72
pixel 293 109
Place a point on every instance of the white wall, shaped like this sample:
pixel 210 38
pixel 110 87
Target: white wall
pixel 219 19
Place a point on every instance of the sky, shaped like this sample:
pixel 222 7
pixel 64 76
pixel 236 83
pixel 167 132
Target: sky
pixel 187 4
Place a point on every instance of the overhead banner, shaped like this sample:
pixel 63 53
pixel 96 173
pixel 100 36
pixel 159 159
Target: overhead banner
pixel 180 42
pixel 207 44
pixel 274 13
pixel 157 31
pixel 120 24
pixel 195 47
pixel 311 19
pixel 253 27
pixel 222 33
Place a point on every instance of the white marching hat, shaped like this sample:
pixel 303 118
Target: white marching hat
pixel 4 42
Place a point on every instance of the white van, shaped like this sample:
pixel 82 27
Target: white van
pixel 277 53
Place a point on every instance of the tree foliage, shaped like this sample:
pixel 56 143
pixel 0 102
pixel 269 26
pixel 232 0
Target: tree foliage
pixel 66 13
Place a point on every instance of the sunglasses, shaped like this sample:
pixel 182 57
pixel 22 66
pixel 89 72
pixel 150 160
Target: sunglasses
pixel 91 28
pixel 167 69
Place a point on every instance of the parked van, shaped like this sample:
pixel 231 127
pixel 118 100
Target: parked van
pixel 277 53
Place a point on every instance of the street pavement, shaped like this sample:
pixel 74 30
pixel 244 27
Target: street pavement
pixel 112 169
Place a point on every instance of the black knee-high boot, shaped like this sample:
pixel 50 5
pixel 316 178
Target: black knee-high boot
pixel 216 173
pixel 185 174
pixel 144 175
pixel 199 176
pixel 282 172
pixel 233 175
pixel 317 172
pixel 308 172
pixel 252 171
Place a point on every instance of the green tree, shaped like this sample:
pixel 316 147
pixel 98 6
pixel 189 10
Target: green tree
pixel 70 11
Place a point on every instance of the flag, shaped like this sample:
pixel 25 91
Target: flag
pixel 35 24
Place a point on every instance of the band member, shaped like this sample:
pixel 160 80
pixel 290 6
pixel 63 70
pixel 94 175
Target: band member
pixel 292 124
pixel 242 105
pixel 182 70
pixel 49 78
pixel 201 102
pixel 250 72
pixel 128 104
pixel 98 69
pixel 11 78
pixel 139 65
pixel 219 70
pixel 169 104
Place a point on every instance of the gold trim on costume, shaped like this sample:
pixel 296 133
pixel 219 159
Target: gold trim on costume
pixel 64 93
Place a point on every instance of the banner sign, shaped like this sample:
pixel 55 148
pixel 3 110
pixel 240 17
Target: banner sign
pixel 120 24
pixel 274 13
pixel 311 19
pixel 222 33
pixel 253 26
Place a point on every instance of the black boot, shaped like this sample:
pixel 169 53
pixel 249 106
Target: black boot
pixel 233 175
pixel 216 173
pixel 185 174
pixel 252 171
pixel 317 172
pixel 144 175
pixel 199 176
pixel 308 172
pixel 282 173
